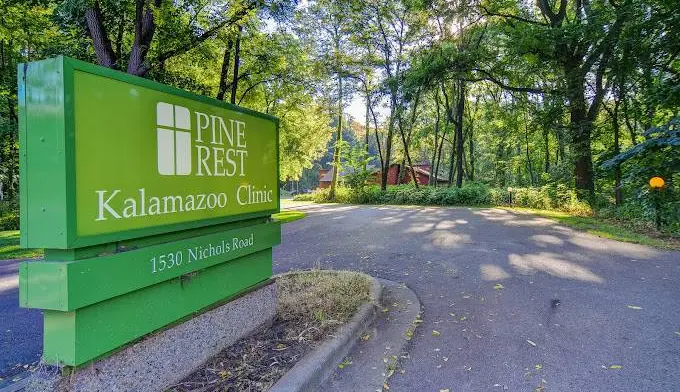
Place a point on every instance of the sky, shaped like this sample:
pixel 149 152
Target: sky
pixel 357 109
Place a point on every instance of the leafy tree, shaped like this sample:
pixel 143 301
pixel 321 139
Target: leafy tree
pixel 355 161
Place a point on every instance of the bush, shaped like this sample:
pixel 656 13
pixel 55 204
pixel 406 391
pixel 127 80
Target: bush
pixel 9 207
pixel 304 197
pixel 641 213
pixel 549 197
pixel 9 222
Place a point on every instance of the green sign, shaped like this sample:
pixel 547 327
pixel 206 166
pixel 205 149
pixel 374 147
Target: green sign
pixel 123 157
pixel 153 204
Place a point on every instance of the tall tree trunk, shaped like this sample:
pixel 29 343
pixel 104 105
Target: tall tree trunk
pixel 560 152
pixel 406 140
pixel 460 109
pixel 224 73
pixel 377 138
pixel 452 161
pixel 100 39
pixel 402 171
pixel 338 142
pixel 237 59
pixel 439 159
pixel 581 128
pixel 631 126
pixel 388 147
pixel 471 151
pixel 367 127
pixel 145 27
pixel 434 146
pixel 528 156
pixel 408 160
pixel 617 149
pixel 546 143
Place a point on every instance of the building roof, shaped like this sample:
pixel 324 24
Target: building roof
pixel 328 176
pixel 427 173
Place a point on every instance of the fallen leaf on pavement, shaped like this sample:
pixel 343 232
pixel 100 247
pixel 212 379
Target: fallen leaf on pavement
pixel 435 333
pixel 531 343
pixel 498 286
pixel 615 367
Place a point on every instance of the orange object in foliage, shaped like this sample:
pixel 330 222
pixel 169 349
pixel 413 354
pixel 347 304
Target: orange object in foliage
pixel 656 182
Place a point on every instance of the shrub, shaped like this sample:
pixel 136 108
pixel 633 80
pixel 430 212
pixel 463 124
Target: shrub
pixel 556 197
pixel 9 222
pixel 304 197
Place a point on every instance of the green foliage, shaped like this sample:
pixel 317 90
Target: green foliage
pixel 354 164
pixel 305 132
pixel 657 155
pixel 523 78
pixel 9 222
pixel 288 216
pixel 471 194
pixel 9 247
pixel 9 214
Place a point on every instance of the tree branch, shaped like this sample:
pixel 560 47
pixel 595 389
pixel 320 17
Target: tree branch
pixel 489 77
pixel 513 17
pixel 196 40
pixel 100 39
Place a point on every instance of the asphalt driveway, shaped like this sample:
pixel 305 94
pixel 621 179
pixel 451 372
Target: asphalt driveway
pixel 511 301
pixel 20 329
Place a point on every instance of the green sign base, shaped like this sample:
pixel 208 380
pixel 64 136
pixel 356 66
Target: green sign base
pixel 96 305
pixel 152 204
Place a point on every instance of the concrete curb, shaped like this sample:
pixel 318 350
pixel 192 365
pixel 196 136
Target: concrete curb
pixel 17 386
pixel 377 359
pixel 315 368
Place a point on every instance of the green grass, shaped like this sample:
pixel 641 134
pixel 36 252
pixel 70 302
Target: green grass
pixel 9 247
pixel 288 216
pixel 615 230
pixel 9 240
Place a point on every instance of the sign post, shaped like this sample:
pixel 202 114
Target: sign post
pixel 657 183
pixel 152 204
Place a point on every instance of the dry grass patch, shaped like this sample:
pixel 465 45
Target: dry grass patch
pixel 311 306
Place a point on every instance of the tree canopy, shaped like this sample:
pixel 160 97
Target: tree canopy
pixel 580 93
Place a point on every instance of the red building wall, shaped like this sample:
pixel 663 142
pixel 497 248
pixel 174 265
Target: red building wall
pixel 392 176
pixel 324 184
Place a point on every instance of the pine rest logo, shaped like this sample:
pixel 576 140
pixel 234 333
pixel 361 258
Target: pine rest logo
pixel 174 139
pixel 217 148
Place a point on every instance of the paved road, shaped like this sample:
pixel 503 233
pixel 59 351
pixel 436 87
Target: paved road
pixel 489 281
pixel 20 329
pixel 454 258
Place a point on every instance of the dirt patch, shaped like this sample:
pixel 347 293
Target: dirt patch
pixel 311 306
